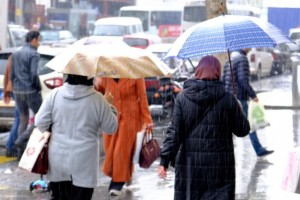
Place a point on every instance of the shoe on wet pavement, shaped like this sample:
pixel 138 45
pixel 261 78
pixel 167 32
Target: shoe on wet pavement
pixel 265 153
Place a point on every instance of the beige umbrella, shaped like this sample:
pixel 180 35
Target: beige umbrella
pixel 109 60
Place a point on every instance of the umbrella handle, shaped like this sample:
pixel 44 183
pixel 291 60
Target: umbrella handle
pixel 232 75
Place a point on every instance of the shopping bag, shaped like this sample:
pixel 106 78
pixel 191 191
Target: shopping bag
pixel 257 116
pixel 138 146
pixel 35 156
pixel 291 181
pixel 150 150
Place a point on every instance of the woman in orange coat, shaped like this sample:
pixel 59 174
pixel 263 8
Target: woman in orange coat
pixel 130 99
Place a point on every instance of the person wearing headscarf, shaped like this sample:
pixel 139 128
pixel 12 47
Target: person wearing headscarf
pixel 199 137
pixel 76 114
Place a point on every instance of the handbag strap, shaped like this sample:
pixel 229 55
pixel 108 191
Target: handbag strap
pixel 53 100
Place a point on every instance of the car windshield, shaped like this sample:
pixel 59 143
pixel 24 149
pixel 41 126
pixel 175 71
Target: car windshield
pixel 19 36
pixel 50 35
pixel 111 30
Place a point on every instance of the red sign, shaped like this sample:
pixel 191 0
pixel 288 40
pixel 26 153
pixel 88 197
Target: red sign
pixel 169 30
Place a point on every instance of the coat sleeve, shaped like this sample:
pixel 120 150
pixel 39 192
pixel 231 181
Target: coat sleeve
pixel 243 77
pixel 239 123
pixel 144 106
pixel 43 118
pixel 34 64
pixel 109 122
pixel 173 139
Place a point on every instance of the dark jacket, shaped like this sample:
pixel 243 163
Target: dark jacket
pixel 24 70
pixel 241 72
pixel 205 164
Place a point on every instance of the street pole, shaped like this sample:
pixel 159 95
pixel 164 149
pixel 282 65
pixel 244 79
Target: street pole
pixel 19 12
pixel 3 23
pixel 215 8
pixel 295 84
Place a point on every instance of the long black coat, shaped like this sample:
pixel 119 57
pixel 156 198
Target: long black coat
pixel 205 164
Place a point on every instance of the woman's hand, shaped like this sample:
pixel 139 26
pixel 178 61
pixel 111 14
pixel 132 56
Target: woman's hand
pixel 109 97
pixel 149 127
pixel 162 172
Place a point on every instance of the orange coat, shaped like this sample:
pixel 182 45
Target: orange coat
pixel 130 99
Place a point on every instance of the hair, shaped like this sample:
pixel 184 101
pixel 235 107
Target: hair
pixel 79 80
pixel 32 35
pixel 209 68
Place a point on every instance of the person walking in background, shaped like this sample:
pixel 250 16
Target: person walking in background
pixel 241 72
pixel 26 84
pixel 200 136
pixel 133 116
pixel 76 113
pixel 10 144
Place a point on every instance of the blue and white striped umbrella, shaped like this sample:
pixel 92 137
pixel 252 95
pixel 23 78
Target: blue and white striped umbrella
pixel 226 33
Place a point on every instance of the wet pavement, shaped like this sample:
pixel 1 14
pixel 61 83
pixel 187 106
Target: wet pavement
pixel 256 178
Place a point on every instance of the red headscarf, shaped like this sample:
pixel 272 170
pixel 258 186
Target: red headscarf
pixel 209 68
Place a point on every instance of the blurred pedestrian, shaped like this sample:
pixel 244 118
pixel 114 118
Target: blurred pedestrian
pixel 11 150
pixel 244 90
pixel 26 84
pixel 76 113
pixel 200 137
pixel 133 116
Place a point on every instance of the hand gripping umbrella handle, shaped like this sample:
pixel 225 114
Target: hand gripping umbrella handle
pixel 232 75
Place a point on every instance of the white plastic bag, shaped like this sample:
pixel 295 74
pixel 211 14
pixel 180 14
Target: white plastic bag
pixel 257 116
pixel 138 146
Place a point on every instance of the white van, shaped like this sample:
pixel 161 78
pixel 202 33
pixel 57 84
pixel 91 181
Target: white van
pixel 117 27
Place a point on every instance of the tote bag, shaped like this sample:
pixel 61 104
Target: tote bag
pixel 35 158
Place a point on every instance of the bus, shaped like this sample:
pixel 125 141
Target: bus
pixel 164 21
pixel 194 12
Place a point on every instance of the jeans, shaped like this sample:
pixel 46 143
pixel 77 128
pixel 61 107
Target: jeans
pixel 253 135
pixel 25 101
pixel 10 144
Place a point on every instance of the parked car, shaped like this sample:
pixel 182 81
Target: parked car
pixel 117 27
pixel 282 57
pixel 16 35
pixel 141 40
pixel 57 37
pixel 260 62
pixel 48 77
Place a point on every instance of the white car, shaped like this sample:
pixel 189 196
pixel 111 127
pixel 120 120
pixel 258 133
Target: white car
pixel 49 79
pixel 117 27
pixel 260 62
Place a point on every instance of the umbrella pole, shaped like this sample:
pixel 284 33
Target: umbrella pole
pixel 232 74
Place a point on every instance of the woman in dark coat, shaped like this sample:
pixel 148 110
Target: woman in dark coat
pixel 200 137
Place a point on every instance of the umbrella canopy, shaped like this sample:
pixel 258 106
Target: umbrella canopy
pixel 226 33
pixel 109 60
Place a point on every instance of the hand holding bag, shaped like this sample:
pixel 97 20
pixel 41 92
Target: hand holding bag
pixel 35 156
pixel 150 150
pixel 257 116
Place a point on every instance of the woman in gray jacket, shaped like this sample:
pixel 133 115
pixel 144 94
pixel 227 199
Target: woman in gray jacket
pixel 76 113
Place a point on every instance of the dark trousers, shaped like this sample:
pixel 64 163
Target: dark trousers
pixel 116 185
pixel 65 190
